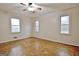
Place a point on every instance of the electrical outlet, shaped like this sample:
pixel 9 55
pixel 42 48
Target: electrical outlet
pixel 15 37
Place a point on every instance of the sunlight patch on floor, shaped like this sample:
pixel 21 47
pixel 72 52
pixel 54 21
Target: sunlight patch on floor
pixel 16 51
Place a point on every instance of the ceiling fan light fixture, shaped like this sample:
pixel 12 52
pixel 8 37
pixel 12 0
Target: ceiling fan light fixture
pixel 31 9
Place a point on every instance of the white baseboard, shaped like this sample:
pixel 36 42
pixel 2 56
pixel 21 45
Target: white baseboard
pixel 42 38
pixel 13 40
pixel 59 41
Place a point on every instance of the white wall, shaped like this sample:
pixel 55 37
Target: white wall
pixel 5 33
pixel 50 29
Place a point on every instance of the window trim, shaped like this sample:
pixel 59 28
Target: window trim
pixel 11 26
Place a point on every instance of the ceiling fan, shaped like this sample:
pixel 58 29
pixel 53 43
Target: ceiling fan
pixel 31 7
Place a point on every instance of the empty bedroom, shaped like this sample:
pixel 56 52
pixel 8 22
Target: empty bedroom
pixel 39 29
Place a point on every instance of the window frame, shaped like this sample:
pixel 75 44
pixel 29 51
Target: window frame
pixel 70 23
pixel 16 25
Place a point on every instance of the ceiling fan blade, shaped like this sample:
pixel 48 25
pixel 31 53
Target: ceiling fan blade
pixel 23 4
pixel 39 8
pixel 29 4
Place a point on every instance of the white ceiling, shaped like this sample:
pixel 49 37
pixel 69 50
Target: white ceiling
pixel 17 8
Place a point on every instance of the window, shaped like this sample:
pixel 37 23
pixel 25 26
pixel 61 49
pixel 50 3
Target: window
pixel 15 25
pixel 36 26
pixel 65 24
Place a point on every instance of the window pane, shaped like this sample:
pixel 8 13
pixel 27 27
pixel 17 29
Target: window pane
pixel 15 25
pixel 15 21
pixel 64 28
pixel 15 28
pixel 37 26
pixel 37 23
pixel 65 20
pixel 65 24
